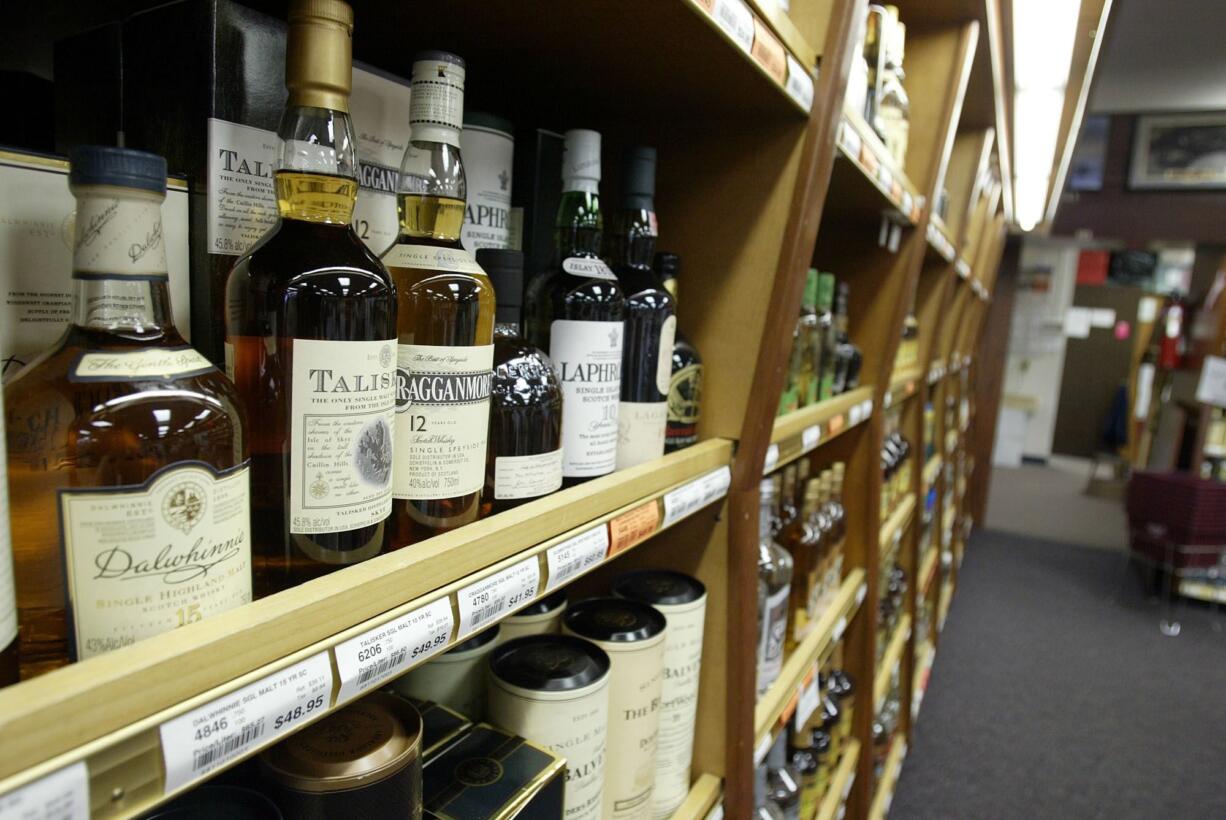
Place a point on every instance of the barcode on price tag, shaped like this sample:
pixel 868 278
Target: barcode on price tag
pixel 735 18
pixel 772 458
pixel 381 653
pixel 61 795
pixel 715 484
pixel 484 601
pixel 575 556
pixel 212 735
pixel 810 436
pixel 682 502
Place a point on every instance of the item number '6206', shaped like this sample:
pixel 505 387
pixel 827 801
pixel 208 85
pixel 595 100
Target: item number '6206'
pixel 300 711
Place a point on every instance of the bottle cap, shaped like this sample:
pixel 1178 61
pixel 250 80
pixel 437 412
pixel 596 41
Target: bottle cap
pixel 581 159
pixel 549 663
pixel 639 178
pixel 319 54
pixel 436 101
pixel 505 268
pixel 660 587
pixel 108 165
pixel 614 620
pixel 810 297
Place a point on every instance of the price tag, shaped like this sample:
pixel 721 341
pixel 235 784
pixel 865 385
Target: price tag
pixel 575 556
pixel 896 193
pixel 772 458
pixel 800 83
pixel 736 20
pixel 964 269
pixel 851 139
pixel 383 652
pixel 887 400
pixel 860 593
pixel 762 750
pixel 866 408
pixel 769 52
pixel 633 526
pixel 836 424
pixel 208 737
pixel 789 709
pixel 682 502
pixel 810 437
pixel 809 700
pixel 868 159
pixel 61 795
pixel 842 812
pixel 850 782
pixel 840 627
pixel 908 203
pixel 886 179
pixel 855 414
pixel 493 596
pixel 715 484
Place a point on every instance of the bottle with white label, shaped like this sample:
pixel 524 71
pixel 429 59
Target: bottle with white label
pixel 651 322
pixel 127 449
pixel 774 588
pixel 575 312
pixel 488 145
pixel 311 331
pixel 446 326
pixel 524 459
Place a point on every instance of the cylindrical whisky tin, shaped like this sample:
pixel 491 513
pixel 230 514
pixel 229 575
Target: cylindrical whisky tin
pixel 362 761
pixel 212 800
pixel 455 678
pixel 683 602
pixel 554 690
pixel 633 634
pixel 488 147
pixel 542 617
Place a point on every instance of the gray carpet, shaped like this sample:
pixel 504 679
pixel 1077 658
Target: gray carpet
pixel 1054 695
pixel 1047 502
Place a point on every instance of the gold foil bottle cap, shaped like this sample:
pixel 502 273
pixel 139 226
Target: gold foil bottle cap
pixel 319 54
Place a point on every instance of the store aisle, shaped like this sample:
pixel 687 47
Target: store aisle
pixel 1054 695
pixel 1047 501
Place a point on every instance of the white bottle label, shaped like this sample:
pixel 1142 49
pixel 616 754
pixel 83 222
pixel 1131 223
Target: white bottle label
pixel 442 419
pixel 436 106
pixel 487 166
pixel 588 358
pixel 380 107
pixel 449 260
pixel 636 682
pixel 242 200
pixel 770 642
pixel 640 432
pixel 590 268
pixel 8 594
pixel 678 706
pixel 151 363
pixel 144 559
pixel 664 364
pixel 527 476
pixel 342 413
pixel 119 237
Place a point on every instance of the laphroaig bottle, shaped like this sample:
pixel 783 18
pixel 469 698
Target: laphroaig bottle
pixel 445 305
pixel 685 383
pixel 127 449
pixel 575 312
pixel 775 573
pixel 651 323
pixel 311 332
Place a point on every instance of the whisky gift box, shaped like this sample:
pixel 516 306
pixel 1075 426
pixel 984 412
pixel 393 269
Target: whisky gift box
pixel 535 196
pixel 36 234
pixel 455 678
pixel 494 775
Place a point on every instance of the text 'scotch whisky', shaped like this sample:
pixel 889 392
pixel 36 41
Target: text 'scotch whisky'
pixel 127 454
pixel 311 332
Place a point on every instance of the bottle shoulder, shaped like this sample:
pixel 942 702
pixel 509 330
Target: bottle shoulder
pixel 294 254
pixel 557 285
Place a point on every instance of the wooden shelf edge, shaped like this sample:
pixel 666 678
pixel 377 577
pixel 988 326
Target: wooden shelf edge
pixel 779 698
pixel 890 659
pixel 928 570
pixel 931 470
pixel 781 23
pixel 919 686
pixel 803 431
pixel 703 796
pixel 903 385
pixel 897 522
pixel 858 143
pixel 841 783
pixel 884 794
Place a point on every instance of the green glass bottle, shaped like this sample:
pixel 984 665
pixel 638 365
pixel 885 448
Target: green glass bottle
pixel 828 334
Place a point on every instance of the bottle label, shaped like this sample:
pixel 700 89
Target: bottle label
pixel 684 395
pixel 487 168
pixel 428 257
pixel 229 356
pixel 151 363
pixel 380 107
pixel 588 357
pixel 242 201
pixel 342 412
pixel 442 419
pixel 770 643
pixel 436 106
pixel 118 238
pixel 527 476
pixel 640 432
pixel 144 559
pixel 678 706
pixel 664 364
pixel 8 595
pixel 588 267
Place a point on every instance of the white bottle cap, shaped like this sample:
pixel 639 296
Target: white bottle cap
pixel 581 161
pixel 436 97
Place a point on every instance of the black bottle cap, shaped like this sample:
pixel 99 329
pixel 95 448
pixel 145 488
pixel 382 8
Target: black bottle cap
pixel 108 165
pixel 667 265
pixel 639 178
pixel 549 663
pixel 482 638
pixel 436 56
pixel 662 587
pixel 614 620
pixel 506 271
pixel 842 683
pixel 543 606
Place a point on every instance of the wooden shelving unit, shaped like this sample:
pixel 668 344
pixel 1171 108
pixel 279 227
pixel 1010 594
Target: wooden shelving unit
pixel 703 796
pixel 833 804
pixel 884 795
pixel 890 660
pixel 799 433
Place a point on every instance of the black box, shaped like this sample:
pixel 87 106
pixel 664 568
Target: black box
pixel 493 775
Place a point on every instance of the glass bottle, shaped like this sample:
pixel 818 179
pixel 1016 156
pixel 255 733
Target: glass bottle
pixel 127 449
pixel 445 305
pixel 828 333
pixel 894 107
pixel 311 332
pixel 685 381
pixel 838 529
pixel 809 339
pixel 575 312
pixel 524 456
pixel 847 356
pixel 789 399
pixel 777 505
pixel 651 321
pixel 802 539
pixel 788 510
pixel 775 572
pixel 874 55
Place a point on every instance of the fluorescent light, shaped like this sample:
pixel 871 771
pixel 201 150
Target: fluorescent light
pixel 1043 34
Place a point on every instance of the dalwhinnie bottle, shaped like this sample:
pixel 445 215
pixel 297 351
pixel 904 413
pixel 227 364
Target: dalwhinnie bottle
pixel 127 452
pixel 575 312
pixel 446 319
pixel 311 332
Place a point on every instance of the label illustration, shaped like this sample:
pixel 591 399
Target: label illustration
pixel 587 356
pixel 684 396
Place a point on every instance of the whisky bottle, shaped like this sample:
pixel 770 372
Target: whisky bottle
pixel 801 539
pixel 685 381
pixel 775 585
pixel 311 332
pixel 789 399
pixel 445 305
pixel 524 455
pixel 828 334
pixel 847 356
pixel 9 670
pixel 575 312
pixel 650 323
pixel 127 450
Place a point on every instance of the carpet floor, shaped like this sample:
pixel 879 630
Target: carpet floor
pixel 1055 695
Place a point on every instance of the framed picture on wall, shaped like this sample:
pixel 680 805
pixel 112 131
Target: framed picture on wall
pixel 1090 156
pixel 1179 151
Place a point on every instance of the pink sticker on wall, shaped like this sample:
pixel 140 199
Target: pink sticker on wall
pixel 1122 330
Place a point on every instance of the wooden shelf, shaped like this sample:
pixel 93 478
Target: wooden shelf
pixel 890 660
pixel 884 794
pixel 897 523
pixel 928 570
pixel 107 710
pixel 936 372
pixel 703 796
pixel 931 470
pixel 947 596
pixel 903 384
pixel 939 242
pixel 925 655
pixel 777 703
pixel 870 182
pixel 806 429
pixel 840 783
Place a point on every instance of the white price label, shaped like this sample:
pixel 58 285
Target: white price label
pixel 383 652
pixel 208 737
pixel 840 627
pixel 716 812
pixel 763 749
pixel 887 400
pixel 772 458
pixel 885 177
pixel 576 555
pixel 735 18
pixel 907 204
pixel 842 812
pixel 61 795
pixel 855 415
pixel 715 484
pixel 488 599
pixel 683 501
pixel 810 437
pixel 851 781
pixel 808 702
pixel 963 268
pixel 860 593
pixel 800 83
pixel 866 408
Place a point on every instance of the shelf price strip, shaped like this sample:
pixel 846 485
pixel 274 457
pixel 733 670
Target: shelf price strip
pixel 809 699
pixel 694 495
pixel 772 459
pixel 736 20
pixel 800 83
pixel 206 738
pixel 633 527
pixel 490 598
pixel 61 795
pixel 810 437
pixel 384 652
pixel 575 556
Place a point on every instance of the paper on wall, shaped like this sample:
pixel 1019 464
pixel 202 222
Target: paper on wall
pixel 1077 323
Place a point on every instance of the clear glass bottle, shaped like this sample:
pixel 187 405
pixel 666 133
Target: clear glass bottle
pixel 127 449
pixel 894 107
pixel 802 539
pixel 847 356
pixel 311 332
pixel 775 572
pixel 445 305
pixel 685 383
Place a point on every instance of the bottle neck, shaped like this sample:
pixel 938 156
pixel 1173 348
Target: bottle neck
pixel 766 515
pixel 316 177
pixel 579 224
pixel 633 242
pixel 506 330
pixel 431 191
